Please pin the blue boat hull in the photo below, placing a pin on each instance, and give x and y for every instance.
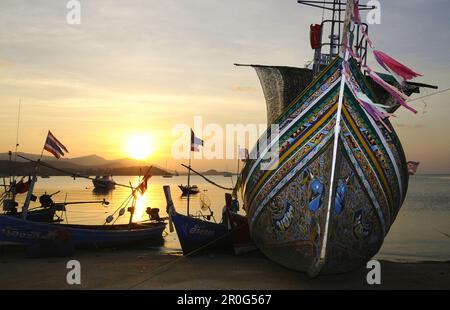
(28, 233)
(199, 235)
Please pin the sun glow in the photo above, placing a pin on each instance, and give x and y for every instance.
(140, 146)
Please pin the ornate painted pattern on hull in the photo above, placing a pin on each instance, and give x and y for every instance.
(286, 206)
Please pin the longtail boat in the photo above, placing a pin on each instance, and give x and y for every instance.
(201, 233)
(43, 239)
(328, 201)
(26, 232)
(197, 233)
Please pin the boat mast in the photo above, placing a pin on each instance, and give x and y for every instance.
(189, 181)
(329, 48)
(26, 204)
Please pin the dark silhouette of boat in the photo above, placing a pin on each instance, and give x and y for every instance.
(188, 190)
(104, 183)
(79, 236)
(198, 233)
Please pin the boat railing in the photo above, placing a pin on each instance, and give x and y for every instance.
(359, 46)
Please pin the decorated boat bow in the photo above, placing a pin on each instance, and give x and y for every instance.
(341, 177)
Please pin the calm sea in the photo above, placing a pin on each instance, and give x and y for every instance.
(420, 232)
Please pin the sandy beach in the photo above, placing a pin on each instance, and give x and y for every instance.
(148, 269)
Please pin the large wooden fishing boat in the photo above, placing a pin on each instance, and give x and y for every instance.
(327, 203)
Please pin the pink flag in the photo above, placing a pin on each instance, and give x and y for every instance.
(392, 65)
(412, 167)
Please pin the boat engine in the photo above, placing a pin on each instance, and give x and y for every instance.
(10, 205)
(46, 200)
(153, 213)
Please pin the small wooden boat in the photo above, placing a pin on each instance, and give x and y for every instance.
(45, 215)
(46, 212)
(188, 190)
(197, 233)
(105, 182)
(238, 226)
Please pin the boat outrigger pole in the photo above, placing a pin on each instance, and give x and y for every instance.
(206, 179)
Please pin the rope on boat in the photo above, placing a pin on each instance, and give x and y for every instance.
(426, 96)
(208, 180)
(163, 267)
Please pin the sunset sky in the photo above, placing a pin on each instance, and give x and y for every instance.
(142, 66)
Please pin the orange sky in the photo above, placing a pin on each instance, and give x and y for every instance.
(140, 67)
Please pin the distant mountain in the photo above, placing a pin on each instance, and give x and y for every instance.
(215, 172)
(89, 160)
(124, 162)
(5, 156)
(87, 165)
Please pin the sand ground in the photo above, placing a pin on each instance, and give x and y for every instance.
(150, 269)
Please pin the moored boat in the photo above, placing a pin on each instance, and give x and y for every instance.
(197, 233)
(61, 239)
(188, 189)
(26, 232)
(327, 201)
(238, 226)
(104, 183)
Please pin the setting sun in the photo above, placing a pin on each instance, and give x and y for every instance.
(140, 146)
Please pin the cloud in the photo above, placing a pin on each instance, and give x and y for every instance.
(245, 89)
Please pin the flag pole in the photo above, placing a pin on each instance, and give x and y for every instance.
(189, 179)
(131, 209)
(238, 151)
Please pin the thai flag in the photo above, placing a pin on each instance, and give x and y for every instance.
(142, 187)
(53, 146)
(195, 142)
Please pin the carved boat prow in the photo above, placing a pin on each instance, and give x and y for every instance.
(341, 175)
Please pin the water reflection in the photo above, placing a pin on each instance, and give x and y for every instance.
(428, 201)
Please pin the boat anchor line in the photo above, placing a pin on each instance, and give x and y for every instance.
(289, 176)
(162, 268)
(286, 128)
(171, 211)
